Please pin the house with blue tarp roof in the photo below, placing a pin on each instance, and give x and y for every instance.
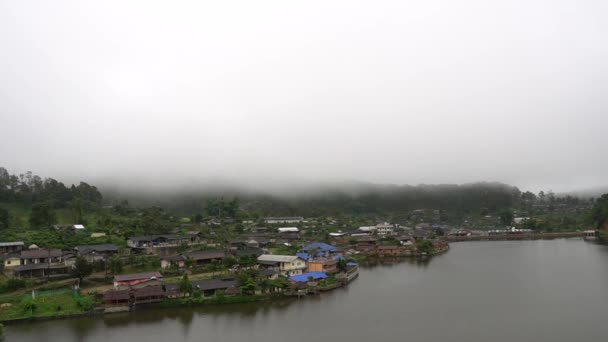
(303, 255)
(304, 277)
(320, 249)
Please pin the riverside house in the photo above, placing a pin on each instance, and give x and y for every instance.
(325, 265)
(199, 258)
(388, 250)
(366, 244)
(287, 265)
(137, 280)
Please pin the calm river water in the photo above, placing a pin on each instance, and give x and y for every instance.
(479, 291)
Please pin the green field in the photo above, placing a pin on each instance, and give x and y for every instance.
(46, 304)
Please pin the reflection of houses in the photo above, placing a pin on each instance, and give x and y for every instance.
(388, 250)
(286, 265)
(137, 280)
(96, 252)
(199, 258)
(169, 240)
(11, 247)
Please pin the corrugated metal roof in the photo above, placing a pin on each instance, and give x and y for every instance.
(277, 258)
(14, 243)
(136, 276)
(302, 278)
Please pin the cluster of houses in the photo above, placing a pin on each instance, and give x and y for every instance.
(36, 262)
(315, 261)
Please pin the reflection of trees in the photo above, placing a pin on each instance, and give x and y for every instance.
(388, 262)
(186, 315)
(82, 327)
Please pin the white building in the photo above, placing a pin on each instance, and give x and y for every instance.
(385, 229)
(289, 230)
(274, 220)
(287, 265)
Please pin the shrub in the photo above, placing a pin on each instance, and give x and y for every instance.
(12, 284)
(85, 303)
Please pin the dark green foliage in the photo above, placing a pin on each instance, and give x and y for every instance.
(250, 286)
(4, 218)
(424, 246)
(85, 303)
(506, 217)
(82, 268)
(342, 265)
(185, 285)
(12, 284)
(599, 213)
(222, 208)
(229, 261)
(42, 216)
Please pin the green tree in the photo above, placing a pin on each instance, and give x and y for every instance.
(530, 224)
(506, 217)
(342, 265)
(42, 216)
(599, 213)
(185, 285)
(250, 286)
(4, 218)
(82, 268)
(424, 246)
(229, 261)
(115, 264)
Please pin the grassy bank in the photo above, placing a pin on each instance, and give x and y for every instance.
(44, 304)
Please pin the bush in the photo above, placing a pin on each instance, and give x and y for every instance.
(85, 303)
(12, 284)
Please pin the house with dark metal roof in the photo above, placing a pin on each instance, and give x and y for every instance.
(96, 252)
(199, 258)
(149, 294)
(210, 287)
(123, 281)
(166, 240)
(12, 247)
(116, 297)
(274, 220)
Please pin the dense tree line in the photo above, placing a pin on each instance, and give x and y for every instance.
(44, 196)
(29, 189)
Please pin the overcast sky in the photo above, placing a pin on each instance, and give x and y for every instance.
(407, 92)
